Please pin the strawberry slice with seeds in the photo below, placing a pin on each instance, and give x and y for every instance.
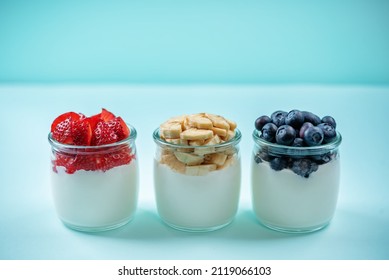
(110, 132)
(82, 132)
(106, 115)
(124, 131)
(72, 128)
(61, 128)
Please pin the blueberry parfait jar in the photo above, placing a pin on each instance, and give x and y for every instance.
(295, 172)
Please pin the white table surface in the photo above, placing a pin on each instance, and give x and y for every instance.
(30, 229)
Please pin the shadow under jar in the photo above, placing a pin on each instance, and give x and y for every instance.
(95, 188)
(295, 189)
(202, 197)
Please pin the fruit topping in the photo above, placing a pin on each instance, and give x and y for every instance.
(94, 161)
(72, 128)
(311, 117)
(330, 120)
(76, 129)
(100, 129)
(261, 121)
(328, 131)
(303, 128)
(195, 136)
(285, 135)
(295, 118)
(278, 117)
(304, 167)
(296, 129)
(313, 136)
(269, 132)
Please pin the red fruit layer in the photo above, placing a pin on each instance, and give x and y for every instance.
(76, 129)
(103, 128)
(102, 162)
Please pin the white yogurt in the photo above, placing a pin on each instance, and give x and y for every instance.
(197, 203)
(96, 200)
(286, 201)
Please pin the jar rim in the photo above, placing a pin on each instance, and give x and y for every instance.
(58, 145)
(291, 150)
(232, 142)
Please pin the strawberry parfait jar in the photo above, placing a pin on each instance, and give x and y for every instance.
(94, 174)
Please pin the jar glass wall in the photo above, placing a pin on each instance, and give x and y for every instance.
(95, 188)
(295, 189)
(197, 196)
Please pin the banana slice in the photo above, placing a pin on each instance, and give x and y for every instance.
(170, 130)
(189, 159)
(218, 121)
(219, 159)
(173, 163)
(229, 136)
(202, 131)
(199, 122)
(196, 134)
(227, 163)
(196, 142)
(208, 150)
(200, 170)
(213, 141)
(173, 141)
(220, 131)
(232, 124)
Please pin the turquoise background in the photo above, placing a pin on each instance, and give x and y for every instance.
(150, 41)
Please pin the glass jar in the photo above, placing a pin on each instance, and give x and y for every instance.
(197, 197)
(95, 188)
(295, 189)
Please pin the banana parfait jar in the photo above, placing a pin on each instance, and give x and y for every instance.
(197, 171)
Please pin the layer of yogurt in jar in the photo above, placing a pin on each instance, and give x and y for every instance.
(295, 170)
(197, 175)
(286, 201)
(96, 199)
(94, 176)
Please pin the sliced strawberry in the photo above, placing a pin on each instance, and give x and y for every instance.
(66, 161)
(110, 132)
(104, 128)
(93, 121)
(124, 132)
(82, 132)
(61, 127)
(102, 162)
(72, 128)
(106, 115)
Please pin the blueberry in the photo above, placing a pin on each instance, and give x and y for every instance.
(313, 136)
(328, 131)
(295, 118)
(304, 167)
(269, 132)
(264, 155)
(298, 142)
(278, 117)
(311, 117)
(261, 121)
(285, 135)
(330, 120)
(278, 163)
(324, 158)
(257, 158)
(303, 128)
